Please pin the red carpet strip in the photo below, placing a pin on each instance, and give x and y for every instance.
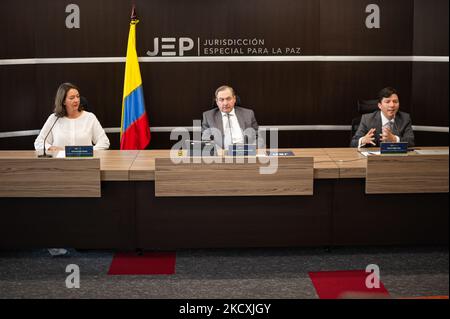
(150, 263)
(345, 284)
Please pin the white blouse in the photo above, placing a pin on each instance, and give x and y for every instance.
(84, 130)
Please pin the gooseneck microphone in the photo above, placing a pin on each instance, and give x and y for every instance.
(45, 139)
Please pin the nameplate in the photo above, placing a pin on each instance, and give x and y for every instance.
(280, 154)
(242, 150)
(79, 151)
(393, 148)
(200, 148)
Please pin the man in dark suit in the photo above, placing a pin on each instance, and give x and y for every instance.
(386, 125)
(229, 124)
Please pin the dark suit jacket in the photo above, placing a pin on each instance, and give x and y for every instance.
(402, 128)
(213, 119)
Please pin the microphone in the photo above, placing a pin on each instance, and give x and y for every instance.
(45, 139)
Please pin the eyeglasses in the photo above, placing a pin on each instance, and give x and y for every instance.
(228, 99)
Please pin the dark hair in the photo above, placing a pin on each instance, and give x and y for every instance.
(60, 97)
(386, 92)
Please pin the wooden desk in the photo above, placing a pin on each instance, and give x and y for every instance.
(143, 168)
(115, 165)
(22, 174)
(128, 215)
(350, 162)
(238, 177)
(324, 166)
(412, 173)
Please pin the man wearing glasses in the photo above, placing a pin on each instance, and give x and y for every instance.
(229, 124)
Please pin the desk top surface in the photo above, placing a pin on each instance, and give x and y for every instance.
(116, 165)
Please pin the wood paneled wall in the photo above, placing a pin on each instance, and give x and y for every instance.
(281, 93)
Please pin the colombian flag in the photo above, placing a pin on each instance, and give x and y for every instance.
(134, 129)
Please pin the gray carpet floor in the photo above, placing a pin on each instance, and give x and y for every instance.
(224, 273)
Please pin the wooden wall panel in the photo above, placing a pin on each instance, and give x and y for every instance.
(431, 27)
(100, 83)
(430, 80)
(17, 29)
(343, 83)
(430, 94)
(103, 29)
(18, 98)
(282, 93)
(343, 29)
(276, 22)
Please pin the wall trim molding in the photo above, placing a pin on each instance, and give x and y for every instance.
(304, 58)
(168, 129)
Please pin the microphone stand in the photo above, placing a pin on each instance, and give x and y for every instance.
(45, 155)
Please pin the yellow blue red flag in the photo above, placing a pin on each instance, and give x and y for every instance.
(134, 129)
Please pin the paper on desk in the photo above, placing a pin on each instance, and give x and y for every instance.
(60, 154)
(370, 153)
(432, 152)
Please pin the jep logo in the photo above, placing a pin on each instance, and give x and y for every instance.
(171, 46)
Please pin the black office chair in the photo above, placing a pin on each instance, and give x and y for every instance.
(84, 103)
(364, 107)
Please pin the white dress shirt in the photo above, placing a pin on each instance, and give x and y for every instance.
(232, 130)
(84, 130)
(384, 121)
